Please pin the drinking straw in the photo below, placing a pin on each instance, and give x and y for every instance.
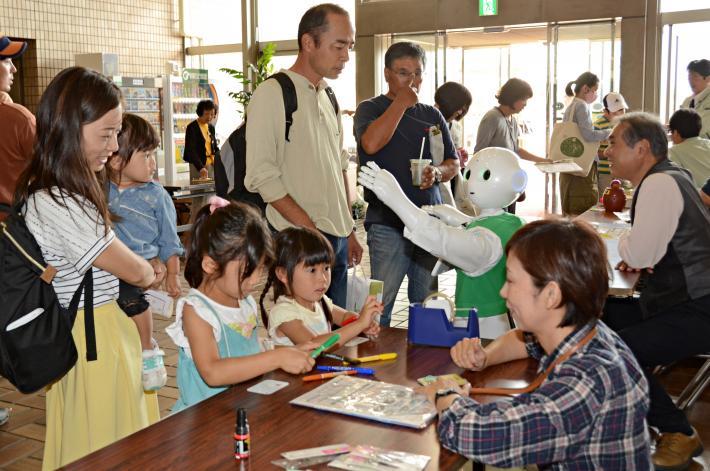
(421, 151)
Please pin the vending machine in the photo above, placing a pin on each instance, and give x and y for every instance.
(142, 96)
(181, 95)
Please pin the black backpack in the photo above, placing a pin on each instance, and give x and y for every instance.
(36, 344)
(234, 153)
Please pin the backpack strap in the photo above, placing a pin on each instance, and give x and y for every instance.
(288, 90)
(333, 101)
(89, 330)
(87, 286)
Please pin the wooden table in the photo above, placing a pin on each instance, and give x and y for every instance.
(621, 283)
(200, 437)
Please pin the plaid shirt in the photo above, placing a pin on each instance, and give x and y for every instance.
(588, 414)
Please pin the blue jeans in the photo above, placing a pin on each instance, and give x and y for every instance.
(338, 290)
(391, 257)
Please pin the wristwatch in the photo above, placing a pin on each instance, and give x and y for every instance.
(437, 175)
(443, 393)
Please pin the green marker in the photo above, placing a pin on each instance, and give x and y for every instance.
(327, 344)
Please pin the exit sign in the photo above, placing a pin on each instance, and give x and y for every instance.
(487, 7)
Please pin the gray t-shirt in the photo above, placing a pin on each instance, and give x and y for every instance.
(497, 131)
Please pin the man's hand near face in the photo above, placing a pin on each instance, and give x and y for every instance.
(406, 96)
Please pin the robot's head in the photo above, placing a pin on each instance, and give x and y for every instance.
(494, 178)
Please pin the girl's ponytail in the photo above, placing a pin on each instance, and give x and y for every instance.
(193, 258)
(568, 88)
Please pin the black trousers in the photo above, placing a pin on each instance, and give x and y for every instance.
(674, 334)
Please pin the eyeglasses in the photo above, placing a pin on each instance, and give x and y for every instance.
(404, 75)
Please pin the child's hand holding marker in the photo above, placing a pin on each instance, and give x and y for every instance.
(292, 360)
(327, 344)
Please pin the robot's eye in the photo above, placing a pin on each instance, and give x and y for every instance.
(466, 174)
(486, 174)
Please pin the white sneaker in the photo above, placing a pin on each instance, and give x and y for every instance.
(154, 374)
(4, 415)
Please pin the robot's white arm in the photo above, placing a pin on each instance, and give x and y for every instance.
(447, 213)
(474, 251)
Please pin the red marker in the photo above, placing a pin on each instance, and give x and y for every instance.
(349, 320)
(328, 375)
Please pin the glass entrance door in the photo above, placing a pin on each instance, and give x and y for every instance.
(574, 49)
(680, 45)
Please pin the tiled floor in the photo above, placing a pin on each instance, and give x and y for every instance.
(22, 438)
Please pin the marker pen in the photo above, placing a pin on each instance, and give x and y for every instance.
(344, 359)
(360, 371)
(381, 356)
(328, 375)
(327, 344)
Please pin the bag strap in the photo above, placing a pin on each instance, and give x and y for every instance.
(572, 108)
(288, 90)
(542, 376)
(46, 273)
(87, 286)
(355, 268)
(333, 101)
(89, 327)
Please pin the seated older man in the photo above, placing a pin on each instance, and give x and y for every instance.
(670, 242)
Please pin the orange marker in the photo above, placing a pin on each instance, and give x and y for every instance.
(328, 375)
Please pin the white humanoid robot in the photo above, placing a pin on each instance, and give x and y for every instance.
(474, 245)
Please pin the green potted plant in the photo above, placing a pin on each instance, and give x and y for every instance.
(261, 70)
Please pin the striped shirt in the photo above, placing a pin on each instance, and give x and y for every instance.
(590, 413)
(601, 123)
(71, 241)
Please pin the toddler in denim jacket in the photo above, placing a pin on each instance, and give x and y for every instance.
(146, 223)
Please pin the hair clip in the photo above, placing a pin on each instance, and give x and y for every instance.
(217, 202)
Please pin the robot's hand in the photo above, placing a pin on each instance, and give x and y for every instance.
(387, 189)
(380, 181)
(448, 214)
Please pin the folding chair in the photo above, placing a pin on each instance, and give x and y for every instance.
(696, 386)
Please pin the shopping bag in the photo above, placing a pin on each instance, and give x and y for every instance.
(567, 144)
(359, 288)
(432, 322)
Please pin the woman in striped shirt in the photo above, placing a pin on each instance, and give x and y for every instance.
(97, 402)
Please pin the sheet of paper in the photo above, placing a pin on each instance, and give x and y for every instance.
(160, 303)
(369, 399)
(560, 166)
(268, 386)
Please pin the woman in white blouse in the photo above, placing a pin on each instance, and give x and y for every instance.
(97, 402)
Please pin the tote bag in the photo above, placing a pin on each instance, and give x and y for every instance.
(567, 144)
(359, 288)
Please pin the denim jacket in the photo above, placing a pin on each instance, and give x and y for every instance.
(148, 224)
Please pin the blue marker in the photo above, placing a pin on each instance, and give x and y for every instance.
(361, 371)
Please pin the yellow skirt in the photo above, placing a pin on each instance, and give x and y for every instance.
(97, 403)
